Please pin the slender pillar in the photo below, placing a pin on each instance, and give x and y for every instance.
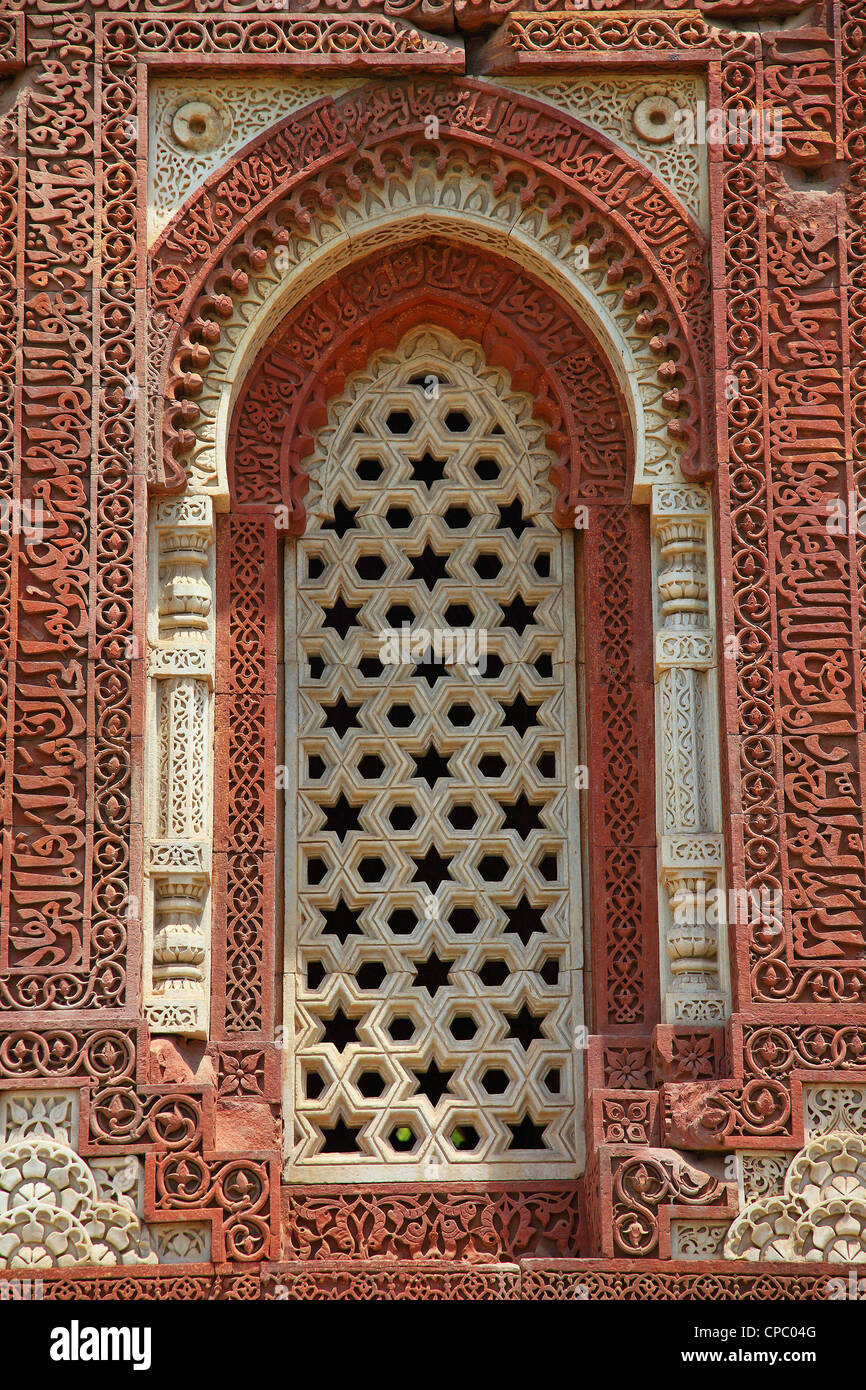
(178, 803)
(691, 845)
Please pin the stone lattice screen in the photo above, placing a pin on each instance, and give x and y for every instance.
(148, 1116)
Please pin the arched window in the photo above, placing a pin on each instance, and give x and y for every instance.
(407, 944)
(430, 689)
(584, 416)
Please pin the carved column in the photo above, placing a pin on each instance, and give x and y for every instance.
(691, 846)
(178, 807)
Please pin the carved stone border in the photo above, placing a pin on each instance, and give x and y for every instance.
(56, 41)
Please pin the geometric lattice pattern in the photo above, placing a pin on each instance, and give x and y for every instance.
(438, 949)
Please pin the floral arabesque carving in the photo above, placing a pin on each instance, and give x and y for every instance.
(51, 1212)
(821, 1214)
(59, 1209)
(644, 1184)
(476, 1223)
(197, 124)
(768, 1062)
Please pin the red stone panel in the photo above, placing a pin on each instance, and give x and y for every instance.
(777, 329)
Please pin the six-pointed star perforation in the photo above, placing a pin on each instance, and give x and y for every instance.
(431, 868)
(433, 918)
(429, 567)
(431, 765)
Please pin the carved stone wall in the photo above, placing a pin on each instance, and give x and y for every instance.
(719, 284)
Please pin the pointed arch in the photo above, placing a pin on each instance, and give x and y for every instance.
(321, 243)
(297, 196)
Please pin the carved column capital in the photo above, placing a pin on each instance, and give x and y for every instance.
(184, 531)
(179, 998)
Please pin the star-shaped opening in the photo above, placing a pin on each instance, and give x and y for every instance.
(343, 519)
(432, 974)
(340, 1031)
(524, 920)
(431, 671)
(511, 518)
(341, 716)
(520, 715)
(431, 766)
(341, 616)
(340, 1138)
(526, 1135)
(429, 566)
(342, 817)
(525, 1027)
(521, 815)
(427, 469)
(433, 1083)
(341, 922)
(518, 614)
(432, 869)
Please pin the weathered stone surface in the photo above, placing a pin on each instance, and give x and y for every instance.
(226, 236)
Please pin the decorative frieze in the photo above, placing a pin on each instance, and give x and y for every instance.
(169, 661)
(761, 1174)
(182, 1242)
(30, 1114)
(828, 1109)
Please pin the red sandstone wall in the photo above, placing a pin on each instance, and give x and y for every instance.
(786, 294)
